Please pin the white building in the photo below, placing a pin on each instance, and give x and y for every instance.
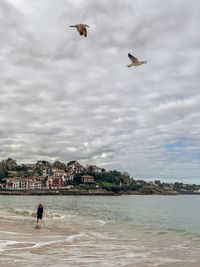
(68, 177)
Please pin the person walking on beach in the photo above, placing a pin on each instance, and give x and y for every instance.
(39, 213)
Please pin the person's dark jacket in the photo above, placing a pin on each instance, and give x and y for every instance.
(40, 211)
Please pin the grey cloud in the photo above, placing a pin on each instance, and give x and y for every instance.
(66, 97)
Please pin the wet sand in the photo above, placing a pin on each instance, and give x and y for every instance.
(24, 245)
(74, 240)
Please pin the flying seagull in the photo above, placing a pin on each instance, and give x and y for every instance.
(135, 61)
(81, 28)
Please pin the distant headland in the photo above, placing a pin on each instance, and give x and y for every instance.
(72, 178)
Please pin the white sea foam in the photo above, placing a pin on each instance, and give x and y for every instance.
(178, 246)
(31, 213)
(14, 233)
(101, 222)
(43, 244)
(60, 216)
(94, 235)
(89, 239)
(164, 260)
(59, 241)
(22, 212)
(5, 243)
(9, 233)
(57, 217)
(75, 237)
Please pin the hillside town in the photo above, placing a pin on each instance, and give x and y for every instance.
(74, 177)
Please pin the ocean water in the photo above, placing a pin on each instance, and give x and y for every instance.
(139, 231)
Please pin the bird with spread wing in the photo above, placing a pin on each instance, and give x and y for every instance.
(81, 28)
(135, 61)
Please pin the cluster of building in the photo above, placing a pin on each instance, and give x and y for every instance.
(53, 182)
(49, 178)
(43, 175)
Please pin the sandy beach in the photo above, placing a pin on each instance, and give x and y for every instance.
(94, 232)
(24, 245)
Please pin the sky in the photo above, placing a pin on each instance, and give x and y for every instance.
(66, 97)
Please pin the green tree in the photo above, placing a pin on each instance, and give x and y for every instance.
(39, 171)
(11, 164)
(71, 162)
(3, 170)
(77, 178)
(59, 165)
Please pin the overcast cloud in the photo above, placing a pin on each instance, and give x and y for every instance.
(65, 97)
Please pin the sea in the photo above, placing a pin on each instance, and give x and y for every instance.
(98, 231)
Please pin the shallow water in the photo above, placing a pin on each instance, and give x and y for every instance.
(99, 231)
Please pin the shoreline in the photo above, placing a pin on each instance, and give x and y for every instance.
(94, 231)
(54, 192)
